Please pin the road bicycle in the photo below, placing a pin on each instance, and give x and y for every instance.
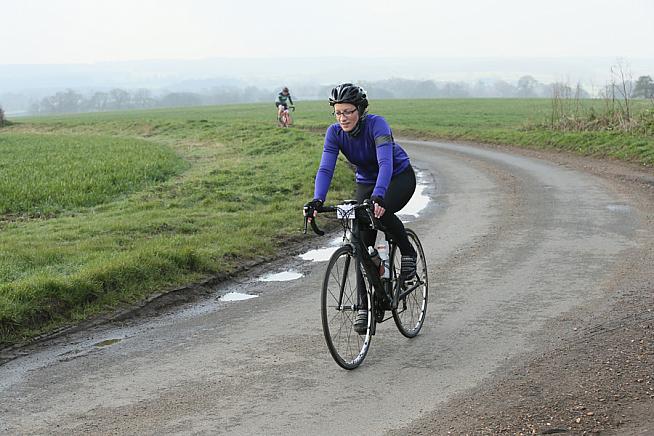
(405, 299)
(285, 119)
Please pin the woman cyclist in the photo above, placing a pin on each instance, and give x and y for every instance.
(383, 174)
(282, 102)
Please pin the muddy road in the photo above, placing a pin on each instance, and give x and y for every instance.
(521, 252)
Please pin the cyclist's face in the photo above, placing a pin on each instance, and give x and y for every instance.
(346, 115)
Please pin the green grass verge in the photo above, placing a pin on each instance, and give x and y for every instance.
(513, 122)
(239, 195)
(104, 209)
(46, 174)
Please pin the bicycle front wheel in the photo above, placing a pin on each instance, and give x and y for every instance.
(339, 307)
(410, 313)
(286, 119)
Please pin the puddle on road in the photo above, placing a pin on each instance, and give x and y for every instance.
(622, 208)
(106, 343)
(319, 255)
(236, 296)
(419, 201)
(323, 254)
(283, 276)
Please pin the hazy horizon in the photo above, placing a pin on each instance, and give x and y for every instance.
(55, 45)
(23, 85)
(265, 71)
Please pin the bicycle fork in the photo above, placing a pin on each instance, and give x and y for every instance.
(346, 269)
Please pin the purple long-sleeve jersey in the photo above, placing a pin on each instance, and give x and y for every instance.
(373, 152)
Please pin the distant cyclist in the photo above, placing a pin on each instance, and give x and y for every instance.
(383, 174)
(283, 98)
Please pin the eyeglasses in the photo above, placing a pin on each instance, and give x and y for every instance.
(345, 113)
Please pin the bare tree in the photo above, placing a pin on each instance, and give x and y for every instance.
(3, 121)
(68, 101)
(99, 101)
(142, 98)
(644, 87)
(527, 86)
(505, 89)
(561, 114)
(568, 112)
(621, 84)
(119, 98)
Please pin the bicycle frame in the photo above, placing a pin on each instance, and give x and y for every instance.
(285, 118)
(390, 289)
(360, 252)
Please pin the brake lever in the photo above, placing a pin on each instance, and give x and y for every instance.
(315, 228)
(369, 211)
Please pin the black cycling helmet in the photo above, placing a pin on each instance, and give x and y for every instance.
(349, 93)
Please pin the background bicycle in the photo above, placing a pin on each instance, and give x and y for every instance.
(285, 118)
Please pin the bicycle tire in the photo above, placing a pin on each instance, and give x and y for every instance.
(338, 313)
(411, 310)
(285, 119)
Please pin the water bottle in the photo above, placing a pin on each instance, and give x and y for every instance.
(377, 260)
(382, 250)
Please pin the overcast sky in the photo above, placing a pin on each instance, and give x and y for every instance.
(71, 31)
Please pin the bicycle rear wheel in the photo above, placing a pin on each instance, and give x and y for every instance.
(339, 310)
(410, 313)
(286, 119)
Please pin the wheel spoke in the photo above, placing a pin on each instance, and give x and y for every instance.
(339, 309)
(410, 314)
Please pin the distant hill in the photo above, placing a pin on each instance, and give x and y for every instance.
(273, 71)
(21, 84)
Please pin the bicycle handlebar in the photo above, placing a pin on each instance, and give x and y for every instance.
(314, 226)
(323, 209)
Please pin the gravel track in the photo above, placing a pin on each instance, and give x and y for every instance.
(540, 321)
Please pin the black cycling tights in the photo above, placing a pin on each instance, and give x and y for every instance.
(398, 194)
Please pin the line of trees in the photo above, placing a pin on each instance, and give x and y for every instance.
(526, 87)
(71, 101)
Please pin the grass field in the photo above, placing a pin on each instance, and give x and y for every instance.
(102, 209)
(48, 174)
